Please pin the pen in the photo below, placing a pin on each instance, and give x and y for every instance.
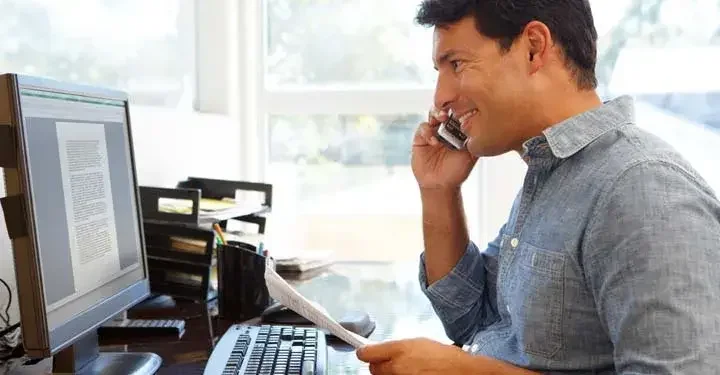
(260, 248)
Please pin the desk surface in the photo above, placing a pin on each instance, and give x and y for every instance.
(389, 292)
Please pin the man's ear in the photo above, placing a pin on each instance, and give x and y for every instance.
(538, 40)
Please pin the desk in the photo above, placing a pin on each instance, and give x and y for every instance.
(389, 292)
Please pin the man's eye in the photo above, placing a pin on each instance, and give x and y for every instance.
(455, 64)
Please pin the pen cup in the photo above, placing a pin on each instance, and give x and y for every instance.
(242, 293)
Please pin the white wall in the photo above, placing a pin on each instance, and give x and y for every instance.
(169, 146)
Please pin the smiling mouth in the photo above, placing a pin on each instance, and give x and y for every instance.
(465, 117)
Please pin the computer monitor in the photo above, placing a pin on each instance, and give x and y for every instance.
(73, 215)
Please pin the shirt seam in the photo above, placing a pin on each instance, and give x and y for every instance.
(441, 297)
(466, 278)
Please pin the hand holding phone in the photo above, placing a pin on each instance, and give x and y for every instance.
(439, 156)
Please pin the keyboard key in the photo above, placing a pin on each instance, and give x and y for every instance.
(308, 368)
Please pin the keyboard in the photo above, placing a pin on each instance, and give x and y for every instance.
(269, 349)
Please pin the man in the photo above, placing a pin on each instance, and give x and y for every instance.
(609, 262)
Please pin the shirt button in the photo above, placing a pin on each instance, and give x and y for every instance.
(514, 242)
(474, 348)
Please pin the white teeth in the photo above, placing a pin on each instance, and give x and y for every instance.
(467, 115)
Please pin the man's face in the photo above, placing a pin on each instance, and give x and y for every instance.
(485, 88)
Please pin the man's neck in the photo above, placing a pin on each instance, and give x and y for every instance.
(559, 108)
(567, 105)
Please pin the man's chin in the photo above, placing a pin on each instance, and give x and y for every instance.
(482, 149)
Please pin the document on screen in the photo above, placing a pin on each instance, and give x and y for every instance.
(88, 201)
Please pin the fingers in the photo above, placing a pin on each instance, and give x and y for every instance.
(379, 352)
(381, 368)
(436, 116)
(425, 135)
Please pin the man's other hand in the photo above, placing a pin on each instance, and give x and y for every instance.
(415, 356)
(424, 356)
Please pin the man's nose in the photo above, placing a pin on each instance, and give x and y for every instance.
(445, 92)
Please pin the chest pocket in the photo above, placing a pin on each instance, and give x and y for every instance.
(536, 299)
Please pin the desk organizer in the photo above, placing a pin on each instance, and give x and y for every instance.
(181, 245)
(194, 190)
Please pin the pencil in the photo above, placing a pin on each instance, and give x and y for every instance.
(220, 233)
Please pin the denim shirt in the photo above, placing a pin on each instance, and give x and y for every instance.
(609, 262)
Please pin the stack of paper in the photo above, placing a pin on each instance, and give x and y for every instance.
(210, 208)
(282, 292)
(211, 205)
(213, 208)
(301, 261)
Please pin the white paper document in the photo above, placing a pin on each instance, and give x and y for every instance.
(282, 292)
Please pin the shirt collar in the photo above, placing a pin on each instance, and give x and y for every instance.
(575, 133)
(568, 137)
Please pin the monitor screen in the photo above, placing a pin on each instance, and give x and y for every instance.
(83, 193)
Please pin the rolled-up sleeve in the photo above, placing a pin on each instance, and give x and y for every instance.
(465, 298)
(652, 258)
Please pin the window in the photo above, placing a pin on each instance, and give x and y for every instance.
(346, 42)
(344, 85)
(339, 140)
(145, 48)
(663, 52)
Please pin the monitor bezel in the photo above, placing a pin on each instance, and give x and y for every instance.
(38, 340)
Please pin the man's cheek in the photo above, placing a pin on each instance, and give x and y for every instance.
(472, 83)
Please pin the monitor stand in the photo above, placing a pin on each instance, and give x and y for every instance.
(84, 358)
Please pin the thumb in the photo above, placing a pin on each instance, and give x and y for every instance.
(379, 352)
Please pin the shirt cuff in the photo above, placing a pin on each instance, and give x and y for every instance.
(460, 290)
